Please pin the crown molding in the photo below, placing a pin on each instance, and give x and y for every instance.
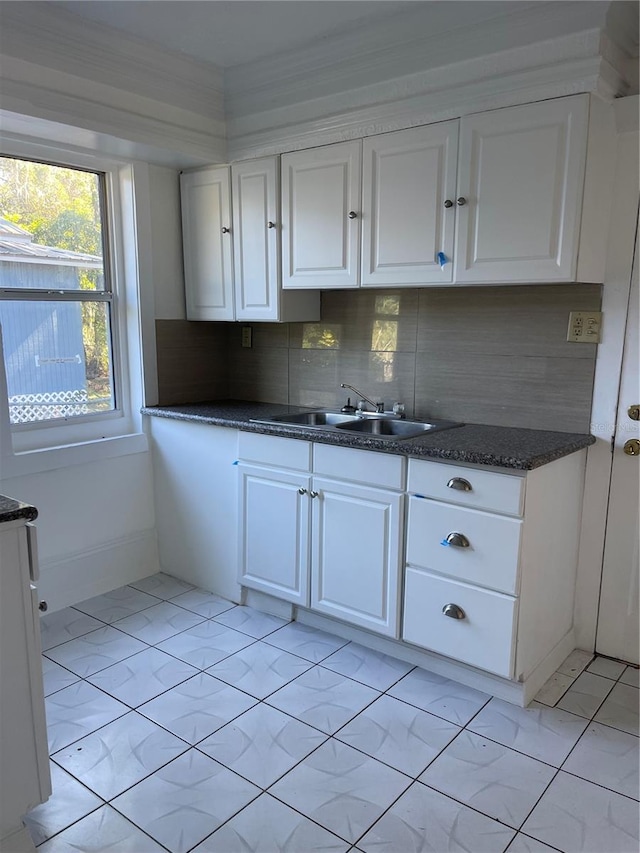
(563, 66)
(400, 47)
(60, 40)
(32, 91)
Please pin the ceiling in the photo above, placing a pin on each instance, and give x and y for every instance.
(233, 32)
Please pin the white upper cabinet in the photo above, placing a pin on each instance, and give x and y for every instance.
(256, 247)
(256, 223)
(231, 238)
(408, 177)
(520, 183)
(321, 217)
(206, 235)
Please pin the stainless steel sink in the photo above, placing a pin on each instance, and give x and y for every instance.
(395, 429)
(322, 419)
(372, 424)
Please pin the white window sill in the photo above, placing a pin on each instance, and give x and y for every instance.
(50, 458)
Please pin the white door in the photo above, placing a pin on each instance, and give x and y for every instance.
(274, 532)
(355, 559)
(520, 181)
(256, 245)
(618, 616)
(321, 217)
(408, 177)
(206, 238)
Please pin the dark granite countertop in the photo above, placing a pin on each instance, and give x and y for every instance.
(479, 444)
(11, 510)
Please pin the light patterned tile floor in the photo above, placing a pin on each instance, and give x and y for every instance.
(201, 726)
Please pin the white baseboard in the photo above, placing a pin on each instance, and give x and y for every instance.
(267, 603)
(543, 672)
(18, 841)
(503, 688)
(78, 576)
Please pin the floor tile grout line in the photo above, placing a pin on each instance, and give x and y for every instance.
(599, 785)
(73, 823)
(334, 735)
(551, 846)
(113, 663)
(475, 808)
(602, 701)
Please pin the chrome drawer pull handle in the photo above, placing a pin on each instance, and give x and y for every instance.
(454, 611)
(459, 540)
(460, 484)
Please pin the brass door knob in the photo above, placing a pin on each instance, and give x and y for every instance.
(634, 412)
(632, 447)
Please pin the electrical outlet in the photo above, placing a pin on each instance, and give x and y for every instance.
(584, 327)
(246, 336)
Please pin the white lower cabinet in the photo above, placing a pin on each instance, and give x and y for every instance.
(491, 561)
(491, 555)
(355, 559)
(484, 636)
(315, 539)
(274, 545)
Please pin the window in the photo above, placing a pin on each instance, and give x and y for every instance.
(56, 295)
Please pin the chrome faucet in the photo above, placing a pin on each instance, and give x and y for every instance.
(379, 407)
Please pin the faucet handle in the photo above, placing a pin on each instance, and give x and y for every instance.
(398, 409)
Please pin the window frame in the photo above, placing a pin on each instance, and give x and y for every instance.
(22, 448)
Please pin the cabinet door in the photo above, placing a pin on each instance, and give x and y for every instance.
(256, 247)
(355, 561)
(274, 532)
(208, 272)
(321, 217)
(520, 175)
(407, 176)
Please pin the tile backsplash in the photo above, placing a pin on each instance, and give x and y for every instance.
(494, 355)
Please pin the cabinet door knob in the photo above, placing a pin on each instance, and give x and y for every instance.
(454, 611)
(461, 201)
(352, 214)
(314, 494)
(225, 230)
(43, 606)
(632, 447)
(448, 203)
(460, 484)
(458, 540)
(302, 491)
(271, 224)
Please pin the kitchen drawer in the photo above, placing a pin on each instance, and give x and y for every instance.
(489, 489)
(360, 466)
(485, 637)
(490, 560)
(273, 450)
